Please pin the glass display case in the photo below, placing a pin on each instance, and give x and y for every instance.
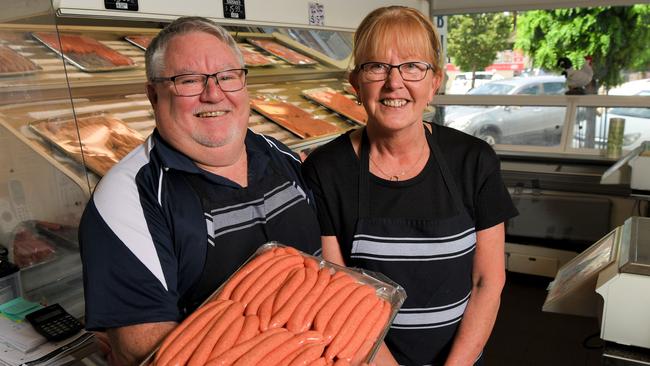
(73, 104)
(42, 192)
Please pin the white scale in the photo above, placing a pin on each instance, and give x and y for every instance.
(611, 281)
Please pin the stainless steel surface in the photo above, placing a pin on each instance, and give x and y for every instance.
(635, 246)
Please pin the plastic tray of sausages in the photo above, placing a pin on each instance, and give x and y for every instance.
(285, 307)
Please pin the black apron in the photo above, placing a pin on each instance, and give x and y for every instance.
(273, 208)
(431, 258)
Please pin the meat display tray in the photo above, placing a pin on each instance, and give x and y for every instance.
(12, 63)
(253, 58)
(338, 103)
(85, 52)
(105, 140)
(141, 42)
(292, 118)
(285, 53)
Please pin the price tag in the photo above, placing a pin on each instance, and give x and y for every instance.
(316, 14)
(121, 4)
(234, 9)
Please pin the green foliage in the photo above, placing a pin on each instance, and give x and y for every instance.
(616, 37)
(475, 39)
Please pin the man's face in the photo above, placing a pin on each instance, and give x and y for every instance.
(212, 119)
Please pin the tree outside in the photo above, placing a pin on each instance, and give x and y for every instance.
(616, 38)
(475, 39)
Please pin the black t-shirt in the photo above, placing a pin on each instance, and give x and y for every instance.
(332, 172)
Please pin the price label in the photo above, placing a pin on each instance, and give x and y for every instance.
(316, 14)
(131, 5)
(234, 9)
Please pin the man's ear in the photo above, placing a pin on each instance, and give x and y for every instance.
(152, 95)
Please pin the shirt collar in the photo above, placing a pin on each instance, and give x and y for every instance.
(258, 158)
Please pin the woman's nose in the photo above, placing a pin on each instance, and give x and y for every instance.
(394, 78)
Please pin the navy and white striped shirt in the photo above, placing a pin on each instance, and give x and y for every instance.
(143, 234)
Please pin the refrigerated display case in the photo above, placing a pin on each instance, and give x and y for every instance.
(71, 110)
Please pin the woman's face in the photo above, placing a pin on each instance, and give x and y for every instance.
(394, 104)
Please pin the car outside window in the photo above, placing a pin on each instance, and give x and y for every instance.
(554, 88)
(529, 90)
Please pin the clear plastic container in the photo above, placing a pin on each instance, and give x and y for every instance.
(348, 316)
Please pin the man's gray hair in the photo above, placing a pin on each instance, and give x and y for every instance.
(154, 56)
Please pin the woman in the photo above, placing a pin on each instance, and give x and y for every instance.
(423, 204)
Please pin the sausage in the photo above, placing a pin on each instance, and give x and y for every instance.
(252, 277)
(376, 329)
(288, 288)
(308, 355)
(325, 314)
(242, 273)
(332, 288)
(270, 287)
(360, 333)
(266, 311)
(381, 321)
(347, 330)
(318, 362)
(339, 317)
(187, 347)
(228, 339)
(181, 327)
(282, 264)
(202, 353)
(262, 349)
(342, 362)
(292, 250)
(280, 318)
(291, 345)
(362, 352)
(194, 329)
(250, 329)
(312, 263)
(287, 360)
(231, 355)
(295, 322)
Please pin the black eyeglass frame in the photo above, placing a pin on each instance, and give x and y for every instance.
(205, 84)
(391, 67)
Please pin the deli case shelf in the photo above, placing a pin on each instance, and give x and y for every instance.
(52, 101)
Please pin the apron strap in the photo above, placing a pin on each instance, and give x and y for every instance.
(445, 172)
(364, 174)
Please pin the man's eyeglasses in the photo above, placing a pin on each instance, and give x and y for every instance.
(188, 85)
(410, 71)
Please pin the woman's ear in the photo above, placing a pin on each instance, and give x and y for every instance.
(353, 79)
(435, 84)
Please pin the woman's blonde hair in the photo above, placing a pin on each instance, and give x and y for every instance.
(396, 26)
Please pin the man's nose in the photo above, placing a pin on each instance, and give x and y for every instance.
(212, 89)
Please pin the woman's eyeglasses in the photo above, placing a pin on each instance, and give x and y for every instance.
(410, 71)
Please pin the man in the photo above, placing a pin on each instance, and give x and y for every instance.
(148, 260)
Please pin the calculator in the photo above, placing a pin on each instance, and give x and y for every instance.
(54, 323)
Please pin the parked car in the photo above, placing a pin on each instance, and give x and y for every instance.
(462, 82)
(637, 119)
(636, 87)
(533, 125)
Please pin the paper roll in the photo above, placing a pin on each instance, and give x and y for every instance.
(615, 137)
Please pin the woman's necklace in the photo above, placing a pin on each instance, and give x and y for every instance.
(396, 177)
